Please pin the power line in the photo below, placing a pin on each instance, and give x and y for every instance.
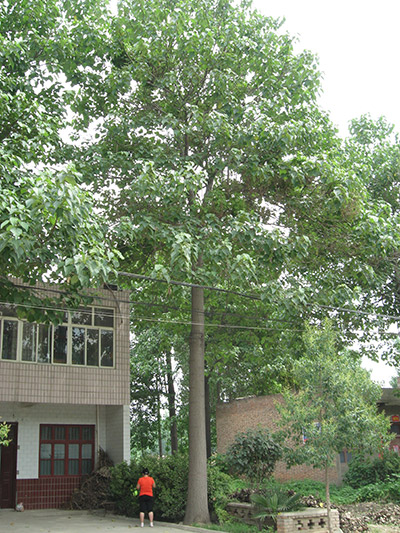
(157, 320)
(190, 285)
(208, 287)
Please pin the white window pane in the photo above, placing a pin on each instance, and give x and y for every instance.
(107, 348)
(86, 451)
(44, 343)
(45, 451)
(10, 336)
(83, 316)
(78, 346)
(92, 347)
(59, 451)
(29, 342)
(73, 451)
(60, 344)
(104, 317)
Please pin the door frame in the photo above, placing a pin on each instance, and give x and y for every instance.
(11, 485)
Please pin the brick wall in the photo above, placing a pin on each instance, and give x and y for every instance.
(46, 493)
(246, 413)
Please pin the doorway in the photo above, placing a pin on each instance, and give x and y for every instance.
(8, 469)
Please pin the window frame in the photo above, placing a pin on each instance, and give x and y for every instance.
(66, 441)
(103, 332)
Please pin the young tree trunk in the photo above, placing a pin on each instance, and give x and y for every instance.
(171, 404)
(328, 498)
(197, 501)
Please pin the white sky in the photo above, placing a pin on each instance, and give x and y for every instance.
(358, 45)
(357, 42)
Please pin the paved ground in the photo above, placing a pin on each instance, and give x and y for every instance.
(58, 521)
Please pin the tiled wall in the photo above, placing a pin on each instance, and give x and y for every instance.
(46, 383)
(45, 493)
(118, 433)
(29, 417)
(240, 415)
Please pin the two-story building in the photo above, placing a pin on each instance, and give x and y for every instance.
(64, 390)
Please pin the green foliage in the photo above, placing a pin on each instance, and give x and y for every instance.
(335, 404)
(254, 453)
(273, 501)
(4, 430)
(220, 486)
(48, 224)
(370, 470)
(170, 474)
(171, 477)
(383, 491)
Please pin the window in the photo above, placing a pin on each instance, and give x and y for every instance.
(345, 456)
(86, 338)
(66, 450)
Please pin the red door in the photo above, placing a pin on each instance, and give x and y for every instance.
(8, 470)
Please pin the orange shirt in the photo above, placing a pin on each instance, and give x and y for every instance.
(146, 484)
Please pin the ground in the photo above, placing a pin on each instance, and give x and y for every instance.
(375, 517)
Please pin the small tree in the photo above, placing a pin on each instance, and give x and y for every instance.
(254, 453)
(335, 407)
(4, 430)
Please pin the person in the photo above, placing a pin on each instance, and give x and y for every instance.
(146, 485)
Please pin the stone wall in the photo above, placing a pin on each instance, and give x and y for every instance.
(315, 520)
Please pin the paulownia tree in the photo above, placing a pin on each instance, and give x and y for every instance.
(208, 142)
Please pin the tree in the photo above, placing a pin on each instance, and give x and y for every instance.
(210, 149)
(48, 225)
(4, 430)
(334, 408)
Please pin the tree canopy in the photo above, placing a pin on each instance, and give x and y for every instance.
(334, 407)
(48, 223)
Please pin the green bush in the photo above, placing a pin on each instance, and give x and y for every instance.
(367, 471)
(254, 454)
(170, 474)
(220, 486)
(384, 491)
(342, 495)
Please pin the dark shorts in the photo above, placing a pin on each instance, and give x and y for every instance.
(145, 503)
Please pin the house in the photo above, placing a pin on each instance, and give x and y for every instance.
(245, 413)
(64, 390)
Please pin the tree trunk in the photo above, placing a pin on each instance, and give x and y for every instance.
(208, 415)
(160, 450)
(171, 404)
(197, 500)
(328, 498)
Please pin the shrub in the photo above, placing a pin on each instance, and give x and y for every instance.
(171, 476)
(367, 471)
(220, 486)
(275, 500)
(388, 491)
(254, 454)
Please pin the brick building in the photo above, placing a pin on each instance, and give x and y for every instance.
(65, 392)
(245, 413)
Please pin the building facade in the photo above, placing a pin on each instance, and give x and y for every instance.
(64, 390)
(260, 411)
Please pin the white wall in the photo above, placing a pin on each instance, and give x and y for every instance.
(29, 418)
